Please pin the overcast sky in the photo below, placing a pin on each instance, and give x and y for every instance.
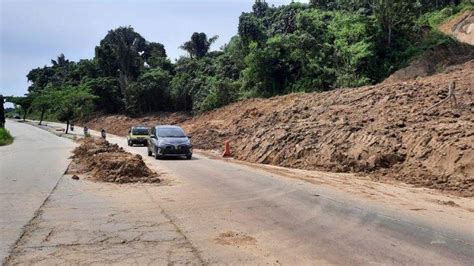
(33, 32)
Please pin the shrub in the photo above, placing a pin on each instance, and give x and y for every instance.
(5, 137)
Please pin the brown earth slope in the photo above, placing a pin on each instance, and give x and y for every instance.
(461, 27)
(379, 129)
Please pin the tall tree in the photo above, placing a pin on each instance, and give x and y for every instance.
(71, 103)
(24, 102)
(155, 56)
(393, 15)
(150, 93)
(260, 8)
(251, 29)
(199, 45)
(118, 55)
(42, 102)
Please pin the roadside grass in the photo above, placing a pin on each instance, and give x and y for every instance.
(5, 137)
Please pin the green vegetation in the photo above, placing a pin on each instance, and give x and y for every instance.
(319, 46)
(437, 17)
(5, 137)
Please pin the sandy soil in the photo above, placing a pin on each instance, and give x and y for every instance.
(102, 161)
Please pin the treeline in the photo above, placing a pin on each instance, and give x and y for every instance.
(292, 48)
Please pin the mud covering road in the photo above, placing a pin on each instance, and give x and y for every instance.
(244, 214)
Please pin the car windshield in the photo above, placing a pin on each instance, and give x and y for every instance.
(170, 132)
(140, 131)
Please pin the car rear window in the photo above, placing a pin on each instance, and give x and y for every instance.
(170, 132)
(140, 131)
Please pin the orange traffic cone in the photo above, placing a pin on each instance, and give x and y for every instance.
(227, 152)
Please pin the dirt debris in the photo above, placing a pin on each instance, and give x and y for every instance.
(448, 203)
(381, 131)
(231, 238)
(107, 162)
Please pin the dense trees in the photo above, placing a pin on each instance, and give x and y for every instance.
(297, 47)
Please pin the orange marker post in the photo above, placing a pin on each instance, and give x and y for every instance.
(227, 152)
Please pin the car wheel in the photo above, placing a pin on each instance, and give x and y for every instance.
(188, 157)
(130, 143)
(157, 156)
(149, 153)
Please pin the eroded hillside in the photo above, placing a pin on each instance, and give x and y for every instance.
(382, 129)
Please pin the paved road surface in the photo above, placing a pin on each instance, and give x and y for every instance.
(29, 170)
(294, 222)
(230, 213)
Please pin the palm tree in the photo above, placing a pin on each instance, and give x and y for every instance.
(199, 45)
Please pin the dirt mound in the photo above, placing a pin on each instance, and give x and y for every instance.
(382, 130)
(461, 27)
(120, 124)
(109, 163)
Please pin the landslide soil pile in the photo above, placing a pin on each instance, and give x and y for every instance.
(382, 129)
(107, 162)
(461, 27)
(120, 124)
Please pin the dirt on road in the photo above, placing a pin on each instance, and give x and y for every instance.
(383, 130)
(106, 162)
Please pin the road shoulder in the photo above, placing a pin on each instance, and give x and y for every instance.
(91, 222)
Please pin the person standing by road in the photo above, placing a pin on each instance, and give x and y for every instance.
(86, 131)
(103, 134)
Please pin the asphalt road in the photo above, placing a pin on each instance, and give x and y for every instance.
(29, 170)
(295, 222)
(231, 213)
